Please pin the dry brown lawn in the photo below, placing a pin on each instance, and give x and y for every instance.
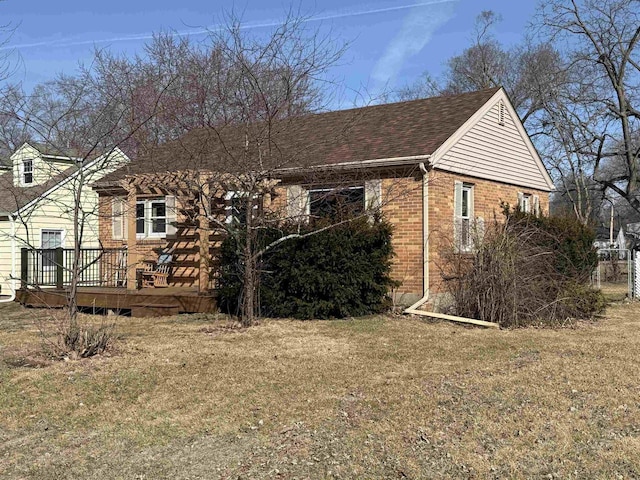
(186, 397)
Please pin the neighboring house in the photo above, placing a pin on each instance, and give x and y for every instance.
(436, 167)
(36, 203)
(623, 240)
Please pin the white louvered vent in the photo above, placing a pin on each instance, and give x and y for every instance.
(501, 113)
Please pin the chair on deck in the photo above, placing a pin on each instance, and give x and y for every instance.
(156, 274)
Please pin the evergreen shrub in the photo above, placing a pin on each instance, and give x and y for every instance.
(342, 271)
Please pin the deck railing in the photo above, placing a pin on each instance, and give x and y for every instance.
(105, 267)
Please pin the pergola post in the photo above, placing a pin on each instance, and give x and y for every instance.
(132, 249)
(203, 232)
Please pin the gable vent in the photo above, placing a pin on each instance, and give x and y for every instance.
(501, 112)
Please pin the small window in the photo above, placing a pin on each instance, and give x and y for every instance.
(27, 172)
(118, 219)
(237, 210)
(236, 207)
(525, 203)
(336, 204)
(151, 217)
(465, 217)
(140, 223)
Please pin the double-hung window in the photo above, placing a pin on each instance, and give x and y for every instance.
(151, 217)
(463, 216)
(525, 203)
(529, 203)
(236, 204)
(49, 241)
(27, 172)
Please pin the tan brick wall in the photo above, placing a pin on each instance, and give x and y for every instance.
(402, 206)
(487, 198)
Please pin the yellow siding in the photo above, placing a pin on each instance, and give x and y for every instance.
(43, 170)
(55, 212)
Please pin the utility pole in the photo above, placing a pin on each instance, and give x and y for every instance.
(611, 228)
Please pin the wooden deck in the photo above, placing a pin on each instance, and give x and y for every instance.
(147, 302)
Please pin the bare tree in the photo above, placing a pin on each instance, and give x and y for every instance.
(266, 82)
(528, 72)
(595, 117)
(79, 119)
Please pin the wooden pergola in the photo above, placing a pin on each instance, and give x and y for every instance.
(185, 185)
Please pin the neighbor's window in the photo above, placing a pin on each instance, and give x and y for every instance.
(151, 217)
(27, 172)
(49, 241)
(336, 204)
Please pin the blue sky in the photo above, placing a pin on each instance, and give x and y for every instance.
(392, 42)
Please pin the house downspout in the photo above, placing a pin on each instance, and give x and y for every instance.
(12, 278)
(414, 309)
(425, 240)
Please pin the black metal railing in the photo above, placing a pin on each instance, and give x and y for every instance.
(104, 267)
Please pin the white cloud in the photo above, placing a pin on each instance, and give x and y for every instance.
(417, 29)
(331, 15)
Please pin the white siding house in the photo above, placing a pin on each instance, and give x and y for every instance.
(37, 199)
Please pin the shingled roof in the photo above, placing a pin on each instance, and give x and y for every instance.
(393, 130)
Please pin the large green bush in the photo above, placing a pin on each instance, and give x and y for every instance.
(571, 242)
(340, 272)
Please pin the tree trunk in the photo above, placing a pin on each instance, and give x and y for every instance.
(248, 310)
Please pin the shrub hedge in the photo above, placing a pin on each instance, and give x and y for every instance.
(339, 272)
(527, 270)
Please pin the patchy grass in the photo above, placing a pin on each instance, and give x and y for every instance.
(197, 397)
(615, 292)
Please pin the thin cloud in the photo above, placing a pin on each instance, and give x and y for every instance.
(416, 31)
(248, 26)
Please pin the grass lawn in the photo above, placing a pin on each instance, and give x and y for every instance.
(381, 397)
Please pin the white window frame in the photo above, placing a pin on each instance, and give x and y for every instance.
(62, 233)
(526, 203)
(149, 218)
(118, 218)
(24, 172)
(467, 190)
(228, 206)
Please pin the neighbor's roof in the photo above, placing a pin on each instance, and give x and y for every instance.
(403, 129)
(13, 198)
(50, 150)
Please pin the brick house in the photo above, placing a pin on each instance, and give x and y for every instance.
(436, 167)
